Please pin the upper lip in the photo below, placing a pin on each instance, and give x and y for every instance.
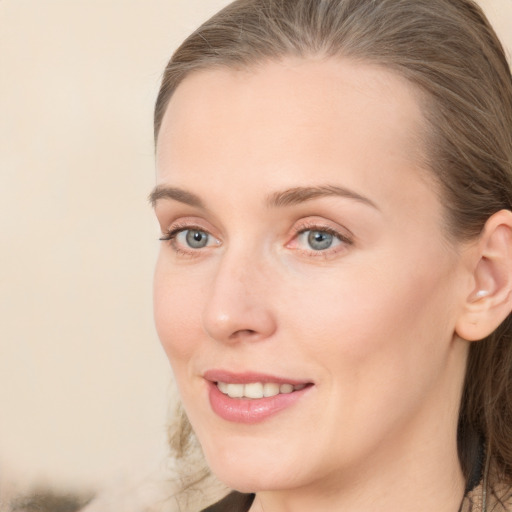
(249, 377)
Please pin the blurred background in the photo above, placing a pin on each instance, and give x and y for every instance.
(84, 385)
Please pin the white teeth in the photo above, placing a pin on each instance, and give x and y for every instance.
(257, 390)
(285, 388)
(235, 390)
(270, 389)
(254, 390)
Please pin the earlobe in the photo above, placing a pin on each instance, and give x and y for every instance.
(490, 300)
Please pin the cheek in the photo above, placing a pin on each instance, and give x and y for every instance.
(374, 312)
(176, 311)
(381, 339)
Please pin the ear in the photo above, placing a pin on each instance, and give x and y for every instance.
(490, 300)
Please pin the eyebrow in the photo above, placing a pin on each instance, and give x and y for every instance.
(299, 195)
(178, 194)
(281, 199)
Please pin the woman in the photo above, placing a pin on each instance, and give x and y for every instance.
(333, 290)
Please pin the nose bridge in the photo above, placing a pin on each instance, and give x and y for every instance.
(238, 300)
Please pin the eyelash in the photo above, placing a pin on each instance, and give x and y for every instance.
(171, 234)
(175, 230)
(329, 252)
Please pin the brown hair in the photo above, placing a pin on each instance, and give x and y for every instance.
(448, 49)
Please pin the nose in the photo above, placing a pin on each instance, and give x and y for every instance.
(238, 305)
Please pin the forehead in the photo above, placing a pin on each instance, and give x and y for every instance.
(312, 94)
(292, 123)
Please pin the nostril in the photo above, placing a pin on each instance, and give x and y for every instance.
(243, 333)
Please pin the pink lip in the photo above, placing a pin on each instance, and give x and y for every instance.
(248, 410)
(248, 377)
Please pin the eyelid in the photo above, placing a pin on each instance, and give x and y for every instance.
(171, 232)
(185, 222)
(319, 224)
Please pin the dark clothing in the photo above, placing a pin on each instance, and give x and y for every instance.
(497, 502)
(233, 502)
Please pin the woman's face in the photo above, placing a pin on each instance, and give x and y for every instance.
(305, 293)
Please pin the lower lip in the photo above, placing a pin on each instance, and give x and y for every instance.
(250, 410)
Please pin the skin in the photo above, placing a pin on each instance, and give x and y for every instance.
(370, 321)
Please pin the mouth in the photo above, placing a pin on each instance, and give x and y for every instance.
(250, 397)
(257, 390)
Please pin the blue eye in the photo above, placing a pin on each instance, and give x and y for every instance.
(319, 240)
(189, 240)
(193, 238)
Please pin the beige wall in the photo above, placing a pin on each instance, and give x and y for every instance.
(83, 381)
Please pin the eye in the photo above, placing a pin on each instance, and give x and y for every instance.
(189, 239)
(313, 239)
(318, 240)
(194, 238)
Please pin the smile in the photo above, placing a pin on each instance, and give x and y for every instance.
(257, 390)
(252, 397)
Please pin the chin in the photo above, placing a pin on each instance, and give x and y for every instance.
(247, 480)
(253, 470)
